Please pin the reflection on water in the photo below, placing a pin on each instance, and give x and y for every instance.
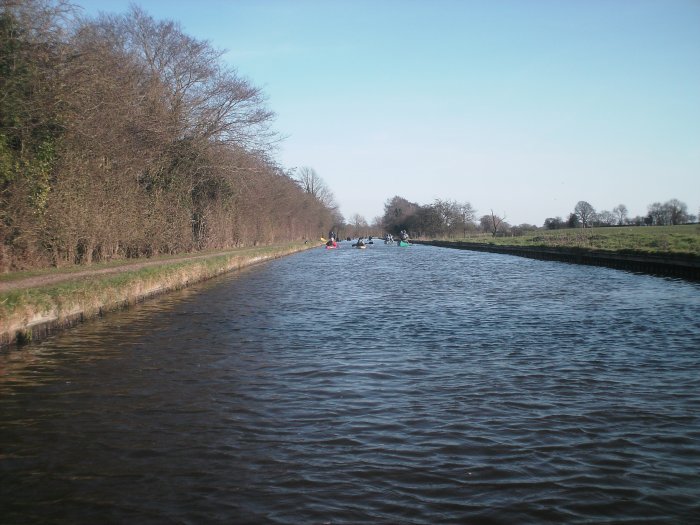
(388, 385)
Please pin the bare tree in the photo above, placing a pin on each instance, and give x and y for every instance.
(312, 183)
(620, 212)
(606, 218)
(449, 215)
(677, 211)
(585, 213)
(658, 214)
(493, 223)
(467, 214)
(205, 99)
(359, 225)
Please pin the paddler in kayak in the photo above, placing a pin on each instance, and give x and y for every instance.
(331, 239)
(359, 244)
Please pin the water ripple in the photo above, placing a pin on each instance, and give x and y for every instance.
(387, 385)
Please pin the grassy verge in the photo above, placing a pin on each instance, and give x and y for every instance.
(53, 306)
(658, 240)
(117, 263)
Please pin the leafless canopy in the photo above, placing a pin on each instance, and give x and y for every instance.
(122, 136)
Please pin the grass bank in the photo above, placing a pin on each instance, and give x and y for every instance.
(33, 308)
(670, 250)
(659, 240)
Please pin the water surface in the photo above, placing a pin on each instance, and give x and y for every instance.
(387, 385)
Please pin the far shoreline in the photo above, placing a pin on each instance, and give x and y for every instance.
(684, 266)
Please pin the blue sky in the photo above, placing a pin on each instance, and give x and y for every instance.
(524, 107)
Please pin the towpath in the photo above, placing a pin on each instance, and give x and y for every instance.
(38, 281)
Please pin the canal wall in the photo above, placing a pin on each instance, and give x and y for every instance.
(674, 265)
(43, 310)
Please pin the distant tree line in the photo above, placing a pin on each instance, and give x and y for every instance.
(445, 219)
(670, 213)
(442, 218)
(452, 219)
(122, 136)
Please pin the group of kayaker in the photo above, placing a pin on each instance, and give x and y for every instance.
(389, 238)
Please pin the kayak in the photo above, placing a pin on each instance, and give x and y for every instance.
(331, 245)
(404, 243)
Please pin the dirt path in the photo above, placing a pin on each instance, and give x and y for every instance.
(55, 278)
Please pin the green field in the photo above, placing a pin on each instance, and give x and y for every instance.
(683, 239)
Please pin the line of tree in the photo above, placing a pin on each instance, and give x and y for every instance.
(442, 218)
(669, 213)
(452, 219)
(122, 136)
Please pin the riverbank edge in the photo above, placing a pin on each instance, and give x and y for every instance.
(673, 265)
(66, 304)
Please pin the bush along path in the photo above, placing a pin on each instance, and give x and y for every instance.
(32, 307)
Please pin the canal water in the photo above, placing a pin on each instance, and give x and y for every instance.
(387, 385)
